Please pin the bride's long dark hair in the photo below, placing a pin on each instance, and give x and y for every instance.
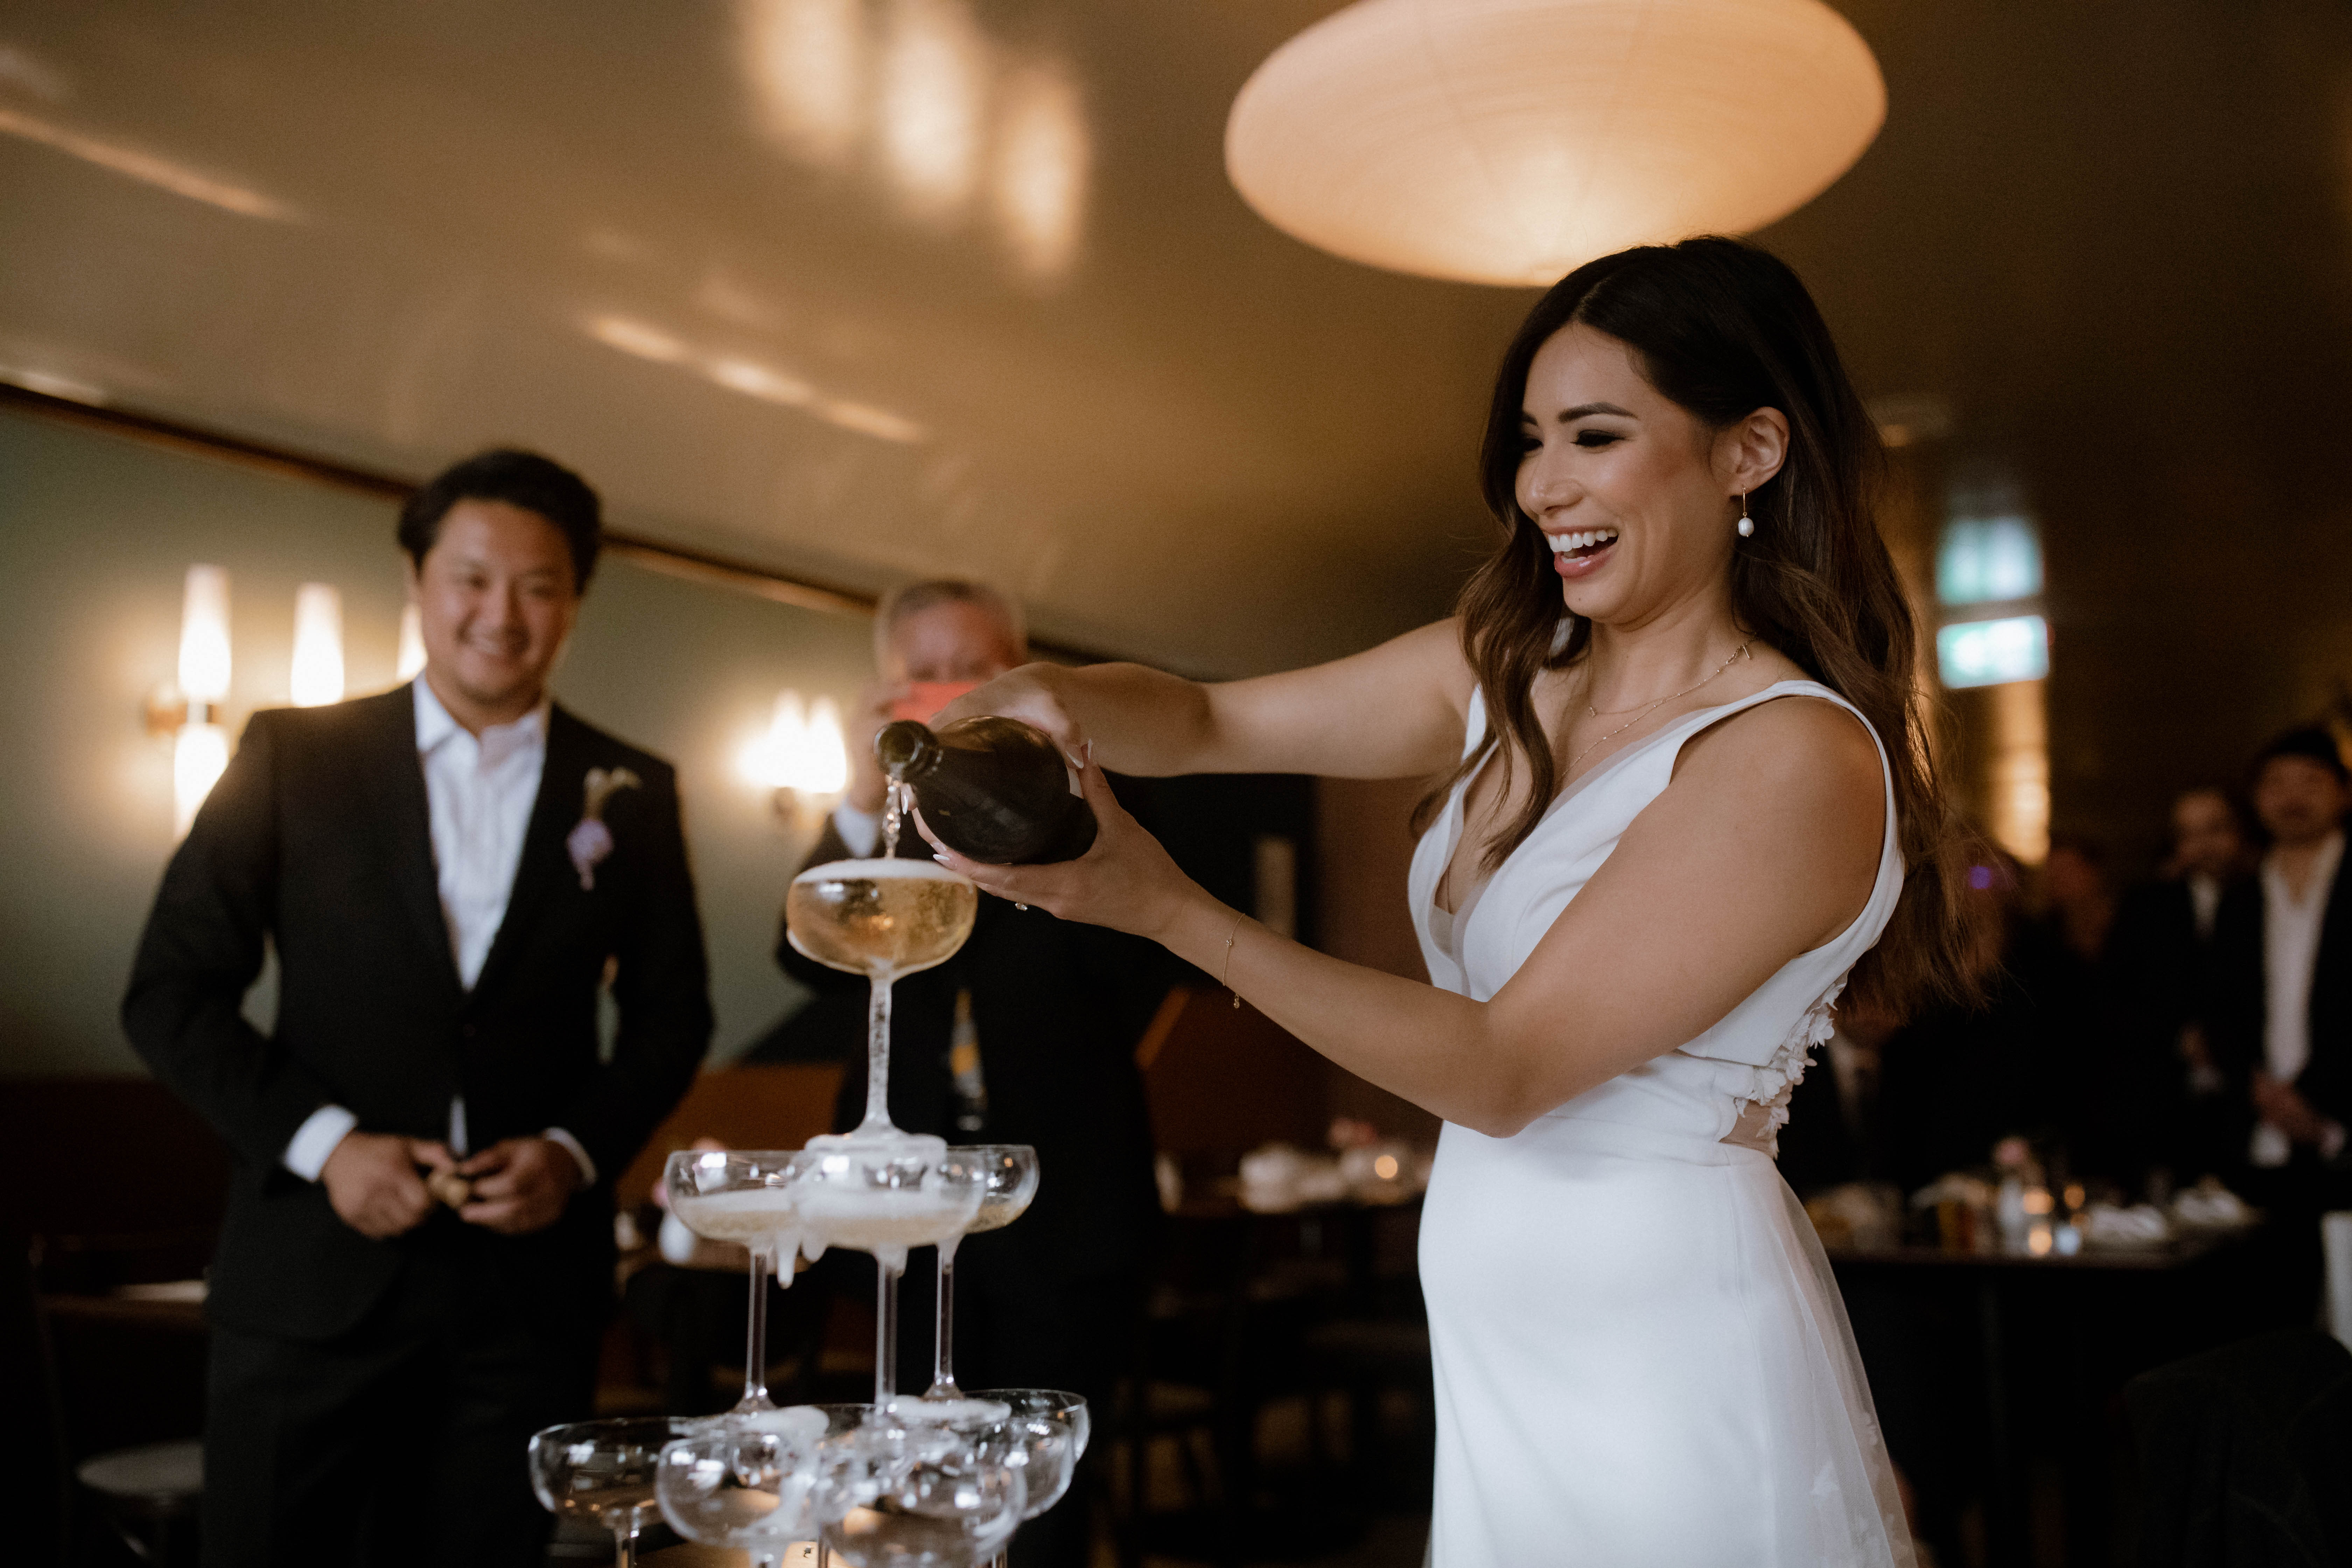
(1724, 329)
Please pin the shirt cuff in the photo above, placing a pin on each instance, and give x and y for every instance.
(860, 830)
(579, 1152)
(306, 1152)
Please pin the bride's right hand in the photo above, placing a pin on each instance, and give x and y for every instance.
(1031, 694)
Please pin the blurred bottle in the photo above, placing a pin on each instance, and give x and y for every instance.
(992, 788)
(963, 1067)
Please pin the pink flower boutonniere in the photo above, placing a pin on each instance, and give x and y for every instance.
(590, 840)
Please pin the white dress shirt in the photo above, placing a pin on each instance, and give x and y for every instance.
(860, 831)
(479, 793)
(2290, 951)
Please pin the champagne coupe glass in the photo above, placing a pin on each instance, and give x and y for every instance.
(603, 1470)
(1045, 1436)
(745, 1196)
(884, 1198)
(922, 1494)
(881, 919)
(752, 1482)
(1011, 1174)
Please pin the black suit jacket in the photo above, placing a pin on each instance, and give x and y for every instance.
(1059, 1007)
(2240, 987)
(318, 840)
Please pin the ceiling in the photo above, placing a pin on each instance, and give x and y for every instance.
(2110, 238)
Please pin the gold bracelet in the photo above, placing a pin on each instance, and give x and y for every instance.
(1228, 980)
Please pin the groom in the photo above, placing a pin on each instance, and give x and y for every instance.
(449, 874)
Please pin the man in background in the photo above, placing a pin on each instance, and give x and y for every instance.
(2280, 1027)
(1026, 1036)
(450, 873)
(2173, 1115)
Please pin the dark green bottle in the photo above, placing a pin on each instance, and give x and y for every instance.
(992, 788)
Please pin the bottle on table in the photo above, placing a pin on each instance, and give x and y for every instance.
(992, 788)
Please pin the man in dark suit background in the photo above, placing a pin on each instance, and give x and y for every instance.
(1055, 1010)
(2282, 1012)
(450, 873)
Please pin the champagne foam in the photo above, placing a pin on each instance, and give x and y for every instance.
(881, 871)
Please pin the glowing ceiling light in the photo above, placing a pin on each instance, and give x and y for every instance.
(318, 677)
(806, 59)
(148, 169)
(934, 95)
(1043, 154)
(635, 337)
(1508, 140)
(803, 748)
(758, 381)
(1993, 653)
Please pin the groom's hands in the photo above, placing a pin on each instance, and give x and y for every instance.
(520, 1185)
(373, 1181)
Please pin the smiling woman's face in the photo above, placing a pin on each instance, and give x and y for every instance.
(1627, 485)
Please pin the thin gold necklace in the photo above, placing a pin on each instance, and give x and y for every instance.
(1649, 708)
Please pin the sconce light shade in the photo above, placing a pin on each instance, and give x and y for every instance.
(801, 750)
(317, 678)
(411, 659)
(1510, 140)
(204, 636)
(199, 757)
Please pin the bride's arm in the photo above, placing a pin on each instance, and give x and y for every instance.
(1765, 844)
(1392, 711)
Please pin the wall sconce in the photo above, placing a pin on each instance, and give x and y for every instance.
(411, 659)
(318, 674)
(802, 756)
(191, 713)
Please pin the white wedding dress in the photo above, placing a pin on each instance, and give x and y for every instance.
(1642, 1357)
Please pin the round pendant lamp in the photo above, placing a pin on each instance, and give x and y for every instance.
(1509, 141)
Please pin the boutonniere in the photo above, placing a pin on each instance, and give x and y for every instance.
(590, 840)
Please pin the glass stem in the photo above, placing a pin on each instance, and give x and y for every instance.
(877, 1059)
(886, 1333)
(755, 1330)
(943, 1382)
(624, 1546)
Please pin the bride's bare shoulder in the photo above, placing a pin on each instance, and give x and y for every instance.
(1807, 754)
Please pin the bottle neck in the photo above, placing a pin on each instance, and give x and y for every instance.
(907, 751)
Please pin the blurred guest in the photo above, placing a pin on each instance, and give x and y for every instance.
(449, 874)
(2057, 958)
(1955, 1081)
(1026, 1036)
(2171, 1114)
(2281, 1022)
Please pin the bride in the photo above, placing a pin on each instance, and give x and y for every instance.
(1683, 794)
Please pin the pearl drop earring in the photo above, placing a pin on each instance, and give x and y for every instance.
(1746, 523)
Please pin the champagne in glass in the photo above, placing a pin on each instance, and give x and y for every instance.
(880, 918)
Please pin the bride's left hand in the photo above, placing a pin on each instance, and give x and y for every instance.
(1125, 879)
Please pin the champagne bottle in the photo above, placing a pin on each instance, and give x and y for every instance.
(992, 788)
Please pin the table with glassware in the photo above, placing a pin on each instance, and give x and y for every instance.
(2057, 1326)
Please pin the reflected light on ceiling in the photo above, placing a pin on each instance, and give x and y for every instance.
(806, 59)
(148, 169)
(633, 337)
(869, 420)
(317, 675)
(1043, 154)
(754, 379)
(934, 93)
(758, 381)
